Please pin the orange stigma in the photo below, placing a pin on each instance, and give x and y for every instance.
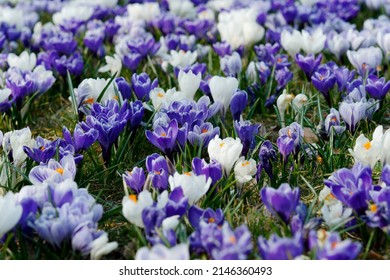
(373, 208)
(205, 130)
(367, 146)
(89, 100)
(211, 220)
(133, 197)
(60, 170)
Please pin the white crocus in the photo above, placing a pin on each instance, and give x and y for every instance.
(189, 83)
(15, 141)
(291, 42)
(299, 101)
(100, 247)
(385, 151)
(282, 103)
(114, 65)
(73, 12)
(10, 213)
(313, 43)
(90, 89)
(182, 8)
(226, 151)
(159, 96)
(132, 207)
(161, 252)
(368, 152)
(327, 197)
(146, 11)
(193, 186)
(335, 214)
(182, 58)
(170, 222)
(24, 61)
(222, 90)
(244, 170)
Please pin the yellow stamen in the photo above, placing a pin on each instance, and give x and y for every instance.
(373, 208)
(157, 173)
(133, 197)
(204, 130)
(289, 133)
(330, 196)
(163, 134)
(221, 145)
(187, 173)
(211, 220)
(367, 146)
(160, 94)
(42, 148)
(89, 100)
(245, 163)
(233, 240)
(116, 97)
(334, 244)
(60, 170)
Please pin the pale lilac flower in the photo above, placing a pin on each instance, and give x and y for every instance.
(160, 252)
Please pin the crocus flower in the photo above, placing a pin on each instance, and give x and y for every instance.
(280, 202)
(314, 42)
(11, 212)
(238, 104)
(225, 151)
(377, 87)
(247, 132)
(189, 83)
(308, 63)
(83, 136)
(291, 42)
(368, 152)
(335, 214)
(202, 134)
(231, 65)
(244, 170)
(212, 170)
(279, 248)
(352, 113)
(161, 252)
(24, 61)
(331, 247)
(197, 215)
(222, 90)
(134, 180)
(385, 155)
(285, 146)
(142, 85)
(14, 143)
(182, 58)
(109, 120)
(164, 138)
(114, 65)
(332, 121)
(267, 154)
(365, 59)
(351, 186)
(100, 247)
(337, 44)
(44, 150)
(282, 77)
(157, 167)
(133, 205)
(194, 186)
(323, 80)
(283, 102)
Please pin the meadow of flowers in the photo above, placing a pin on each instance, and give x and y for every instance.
(195, 129)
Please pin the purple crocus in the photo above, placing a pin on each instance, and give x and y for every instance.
(211, 170)
(109, 120)
(157, 167)
(164, 138)
(280, 248)
(197, 215)
(177, 203)
(332, 121)
(377, 87)
(144, 45)
(142, 85)
(333, 248)
(343, 76)
(282, 77)
(136, 110)
(247, 132)
(222, 49)
(285, 146)
(74, 64)
(231, 65)
(134, 180)
(44, 151)
(238, 104)
(352, 186)
(280, 202)
(267, 154)
(202, 134)
(323, 80)
(308, 63)
(132, 60)
(123, 87)
(83, 136)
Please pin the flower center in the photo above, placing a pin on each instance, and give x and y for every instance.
(211, 220)
(187, 173)
(163, 134)
(245, 163)
(367, 146)
(133, 197)
(334, 244)
(205, 130)
(89, 100)
(160, 95)
(233, 240)
(42, 148)
(221, 145)
(60, 170)
(373, 208)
